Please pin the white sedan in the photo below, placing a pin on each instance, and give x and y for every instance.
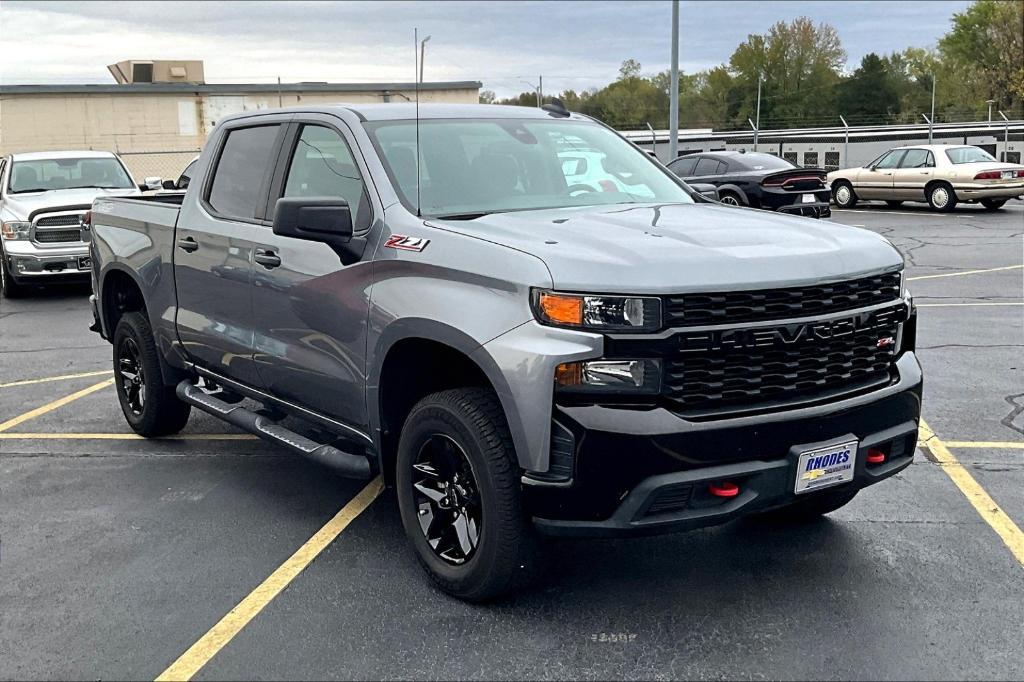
(940, 174)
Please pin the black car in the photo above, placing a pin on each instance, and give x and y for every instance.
(758, 180)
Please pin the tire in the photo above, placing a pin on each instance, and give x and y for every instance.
(993, 204)
(730, 199)
(464, 431)
(941, 197)
(843, 195)
(8, 287)
(150, 407)
(815, 506)
(894, 203)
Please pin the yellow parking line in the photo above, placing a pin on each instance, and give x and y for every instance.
(62, 377)
(48, 407)
(983, 503)
(980, 444)
(965, 272)
(124, 436)
(963, 305)
(200, 653)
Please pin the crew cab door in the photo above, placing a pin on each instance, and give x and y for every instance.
(875, 181)
(310, 302)
(214, 243)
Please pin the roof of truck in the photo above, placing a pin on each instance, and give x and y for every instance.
(42, 156)
(396, 111)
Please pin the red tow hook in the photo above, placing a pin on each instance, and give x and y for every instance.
(724, 489)
(875, 456)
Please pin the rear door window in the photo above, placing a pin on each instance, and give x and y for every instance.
(683, 167)
(707, 167)
(245, 161)
(917, 158)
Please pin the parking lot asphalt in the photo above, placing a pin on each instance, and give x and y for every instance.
(118, 554)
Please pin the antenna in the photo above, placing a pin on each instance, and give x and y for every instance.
(415, 75)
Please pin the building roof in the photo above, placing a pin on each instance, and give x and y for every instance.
(227, 88)
(42, 156)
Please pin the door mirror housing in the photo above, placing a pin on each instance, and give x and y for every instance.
(317, 219)
(152, 182)
(705, 189)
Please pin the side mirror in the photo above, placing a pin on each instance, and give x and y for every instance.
(706, 189)
(317, 219)
(152, 182)
(170, 184)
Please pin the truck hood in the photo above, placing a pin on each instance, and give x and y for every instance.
(676, 248)
(20, 206)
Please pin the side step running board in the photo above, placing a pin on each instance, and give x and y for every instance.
(347, 464)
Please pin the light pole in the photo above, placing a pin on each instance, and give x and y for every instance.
(990, 102)
(673, 97)
(757, 116)
(846, 142)
(423, 52)
(536, 90)
(932, 119)
(1006, 138)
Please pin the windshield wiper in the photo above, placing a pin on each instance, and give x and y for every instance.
(464, 216)
(32, 189)
(96, 187)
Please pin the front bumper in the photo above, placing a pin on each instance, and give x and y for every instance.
(639, 472)
(24, 261)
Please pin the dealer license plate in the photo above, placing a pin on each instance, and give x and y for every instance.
(85, 263)
(1008, 175)
(808, 199)
(825, 467)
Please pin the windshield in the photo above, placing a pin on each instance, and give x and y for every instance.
(479, 166)
(968, 155)
(41, 175)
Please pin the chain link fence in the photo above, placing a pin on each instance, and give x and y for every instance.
(166, 164)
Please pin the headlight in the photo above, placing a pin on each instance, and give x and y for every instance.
(599, 313)
(609, 377)
(15, 229)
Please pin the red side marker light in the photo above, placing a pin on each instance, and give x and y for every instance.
(875, 456)
(724, 489)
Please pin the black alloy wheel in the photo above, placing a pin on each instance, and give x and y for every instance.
(131, 376)
(447, 500)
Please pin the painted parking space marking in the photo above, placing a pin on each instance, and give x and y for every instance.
(882, 212)
(124, 436)
(981, 444)
(200, 653)
(965, 272)
(62, 377)
(49, 407)
(992, 513)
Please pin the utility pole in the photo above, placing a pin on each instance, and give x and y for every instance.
(280, 104)
(760, 79)
(423, 51)
(1006, 138)
(673, 111)
(932, 119)
(540, 92)
(990, 102)
(846, 143)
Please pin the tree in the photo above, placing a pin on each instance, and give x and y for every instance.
(986, 47)
(629, 69)
(487, 97)
(800, 63)
(868, 95)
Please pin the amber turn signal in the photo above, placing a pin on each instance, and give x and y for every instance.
(562, 309)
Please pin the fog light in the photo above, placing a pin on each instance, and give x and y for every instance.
(636, 377)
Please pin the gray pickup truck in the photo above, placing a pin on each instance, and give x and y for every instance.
(519, 352)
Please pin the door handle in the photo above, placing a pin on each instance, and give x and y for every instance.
(267, 258)
(188, 244)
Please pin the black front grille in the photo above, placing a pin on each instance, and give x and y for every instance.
(734, 307)
(754, 377)
(56, 236)
(58, 220)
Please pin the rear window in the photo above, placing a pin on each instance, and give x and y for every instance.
(244, 163)
(968, 155)
(758, 161)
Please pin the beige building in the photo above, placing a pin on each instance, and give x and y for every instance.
(158, 127)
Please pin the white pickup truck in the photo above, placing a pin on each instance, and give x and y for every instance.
(44, 197)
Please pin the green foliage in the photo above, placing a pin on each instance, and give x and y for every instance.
(982, 57)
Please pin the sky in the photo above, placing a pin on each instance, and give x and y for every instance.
(506, 45)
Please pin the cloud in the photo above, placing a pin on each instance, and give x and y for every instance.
(573, 44)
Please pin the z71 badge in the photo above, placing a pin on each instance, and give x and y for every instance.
(400, 241)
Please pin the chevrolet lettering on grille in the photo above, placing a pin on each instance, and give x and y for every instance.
(808, 332)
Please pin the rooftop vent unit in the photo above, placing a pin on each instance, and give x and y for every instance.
(157, 71)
